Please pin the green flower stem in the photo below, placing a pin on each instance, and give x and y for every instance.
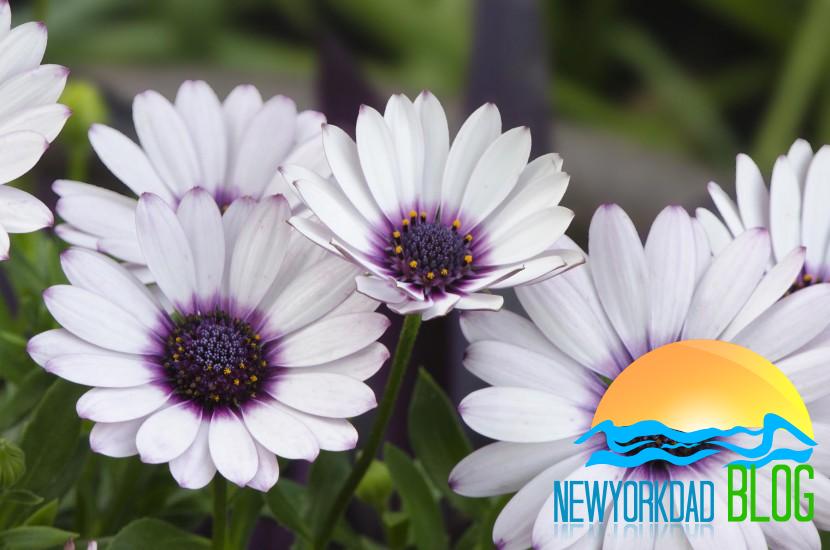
(220, 511)
(406, 341)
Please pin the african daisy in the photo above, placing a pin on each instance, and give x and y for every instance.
(264, 352)
(30, 118)
(548, 374)
(434, 224)
(231, 149)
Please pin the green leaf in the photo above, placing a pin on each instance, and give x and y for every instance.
(158, 535)
(17, 403)
(34, 538)
(438, 440)
(425, 517)
(50, 440)
(21, 496)
(328, 473)
(246, 506)
(287, 500)
(45, 515)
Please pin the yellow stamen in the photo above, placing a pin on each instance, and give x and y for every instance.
(398, 249)
(468, 237)
(456, 224)
(468, 259)
(808, 278)
(423, 216)
(405, 224)
(227, 371)
(253, 378)
(413, 264)
(236, 381)
(430, 275)
(257, 337)
(444, 272)
(396, 234)
(413, 214)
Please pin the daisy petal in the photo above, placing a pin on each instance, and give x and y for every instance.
(502, 467)
(280, 432)
(475, 136)
(127, 162)
(106, 278)
(727, 208)
(436, 147)
(495, 175)
(752, 194)
(530, 236)
(168, 433)
(620, 274)
(727, 285)
(22, 49)
(120, 404)
(785, 209)
(232, 448)
(266, 141)
(375, 147)
(522, 415)
(671, 256)
(815, 224)
(717, 233)
(341, 153)
(267, 472)
(19, 152)
(408, 140)
(323, 394)
(165, 138)
(775, 284)
(787, 325)
(194, 468)
(197, 104)
(104, 370)
(166, 250)
(115, 439)
(202, 224)
(330, 339)
(99, 321)
(20, 212)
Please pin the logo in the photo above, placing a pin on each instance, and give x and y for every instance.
(674, 413)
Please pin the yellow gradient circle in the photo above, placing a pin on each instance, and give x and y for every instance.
(699, 384)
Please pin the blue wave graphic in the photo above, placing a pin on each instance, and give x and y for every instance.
(651, 440)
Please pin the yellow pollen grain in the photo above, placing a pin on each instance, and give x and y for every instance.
(413, 214)
(430, 275)
(227, 371)
(808, 278)
(468, 259)
(456, 224)
(236, 381)
(396, 234)
(405, 223)
(253, 378)
(242, 366)
(398, 249)
(444, 272)
(257, 337)
(214, 397)
(468, 237)
(413, 264)
(424, 216)
(178, 339)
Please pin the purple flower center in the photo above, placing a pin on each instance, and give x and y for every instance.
(803, 281)
(214, 360)
(430, 253)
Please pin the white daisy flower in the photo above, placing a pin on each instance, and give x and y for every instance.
(231, 149)
(548, 374)
(30, 118)
(264, 352)
(434, 225)
(794, 208)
